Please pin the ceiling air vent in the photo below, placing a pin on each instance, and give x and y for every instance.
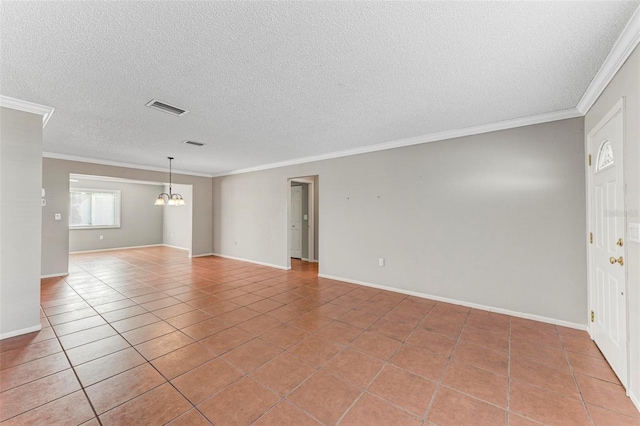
(193, 143)
(161, 106)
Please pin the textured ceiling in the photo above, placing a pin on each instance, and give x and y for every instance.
(273, 81)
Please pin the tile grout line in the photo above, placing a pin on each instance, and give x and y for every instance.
(152, 366)
(446, 367)
(573, 375)
(131, 346)
(95, 413)
(384, 365)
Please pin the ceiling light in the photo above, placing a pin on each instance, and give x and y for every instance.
(164, 107)
(188, 142)
(169, 199)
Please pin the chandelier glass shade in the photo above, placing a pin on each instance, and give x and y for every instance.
(169, 199)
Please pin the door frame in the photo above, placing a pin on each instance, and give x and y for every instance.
(296, 189)
(311, 209)
(617, 108)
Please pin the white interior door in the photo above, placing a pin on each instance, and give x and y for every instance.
(606, 209)
(295, 224)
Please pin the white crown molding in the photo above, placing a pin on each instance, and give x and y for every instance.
(433, 137)
(82, 177)
(26, 106)
(621, 50)
(66, 157)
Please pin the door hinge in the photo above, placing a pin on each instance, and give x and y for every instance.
(592, 316)
(590, 237)
(589, 159)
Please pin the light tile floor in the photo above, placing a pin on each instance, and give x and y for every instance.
(148, 336)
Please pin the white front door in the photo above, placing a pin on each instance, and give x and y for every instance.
(607, 223)
(296, 222)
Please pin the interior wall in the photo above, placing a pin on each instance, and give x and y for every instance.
(496, 219)
(20, 219)
(140, 221)
(626, 83)
(55, 244)
(176, 225)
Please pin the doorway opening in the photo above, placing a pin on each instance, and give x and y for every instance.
(302, 223)
(107, 213)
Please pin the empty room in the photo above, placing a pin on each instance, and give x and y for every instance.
(320, 213)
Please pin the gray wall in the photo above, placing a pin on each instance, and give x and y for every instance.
(55, 241)
(20, 221)
(496, 219)
(626, 84)
(176, 224)
(140, 220)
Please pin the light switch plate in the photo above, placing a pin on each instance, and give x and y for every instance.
(634, 232)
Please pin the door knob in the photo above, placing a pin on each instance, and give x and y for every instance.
(619, 260)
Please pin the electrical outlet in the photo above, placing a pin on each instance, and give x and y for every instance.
(381, 261)
(101, 237)
(58, 216)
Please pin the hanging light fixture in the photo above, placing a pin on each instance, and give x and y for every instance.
(169, 199)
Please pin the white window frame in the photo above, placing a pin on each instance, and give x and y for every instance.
(117, 193)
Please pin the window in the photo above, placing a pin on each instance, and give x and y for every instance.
(605, 156)
(94, 208)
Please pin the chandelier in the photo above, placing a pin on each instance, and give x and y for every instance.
(169, 199)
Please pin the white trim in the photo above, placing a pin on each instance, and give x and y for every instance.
(115, 248)
(635, 400)
(175, 247)
(433, 137)
(66, 157)
(202, 255)
(26, 106)
(311, 220)
(20, 332)
(463, 303)
(621, 50)
(81, 177)
(271, 265)
(60, 274)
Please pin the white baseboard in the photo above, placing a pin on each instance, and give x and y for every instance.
(175, 247)
(60, 274)
(463, 303)
(271, 265)
(20, 332)
(115, 248)
(635, 401)
(203, 255)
